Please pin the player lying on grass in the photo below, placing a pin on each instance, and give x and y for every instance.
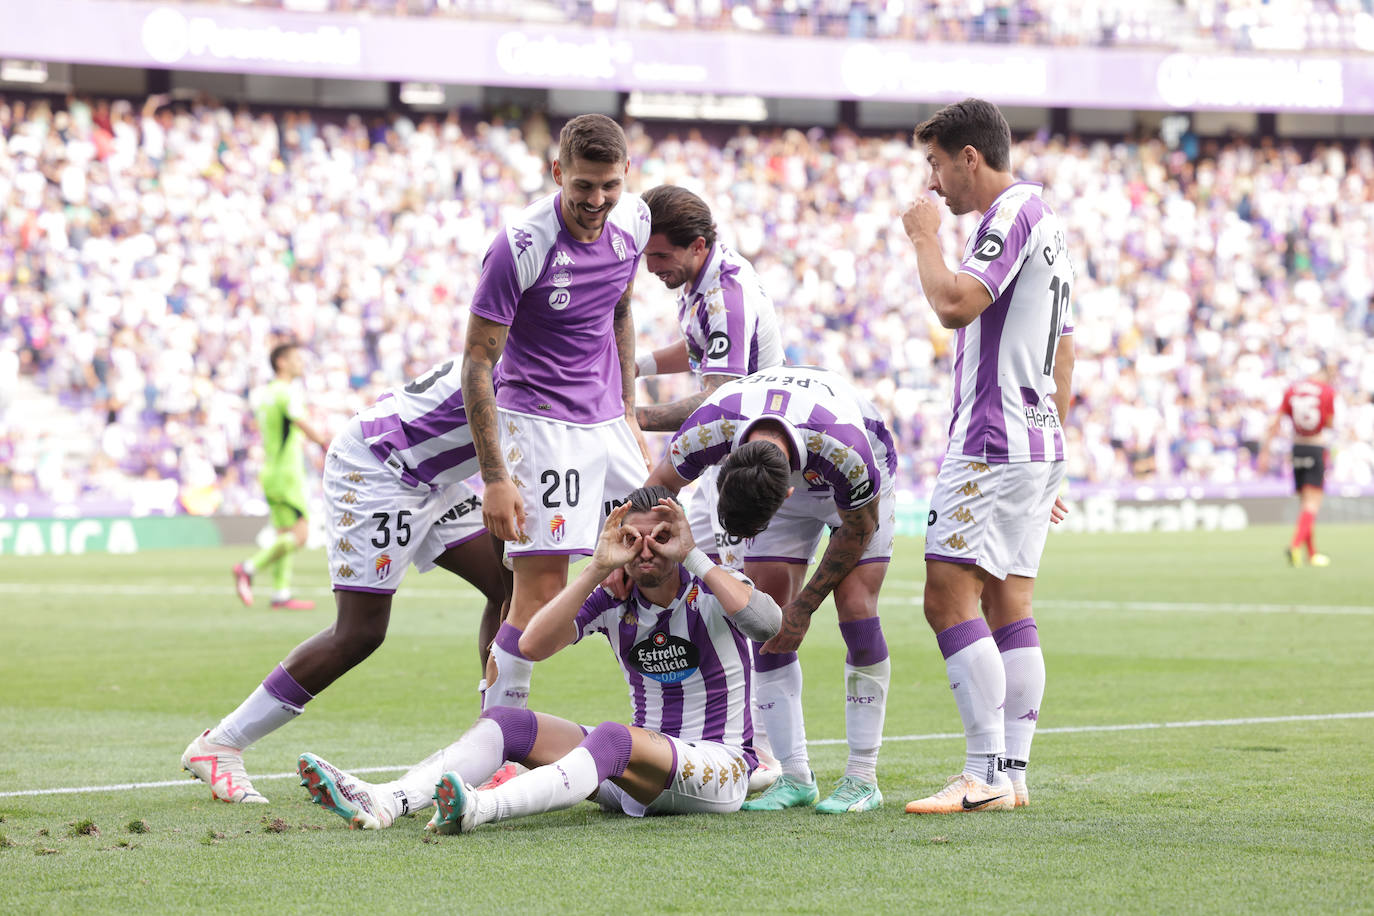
(396, 495)
(681, 637)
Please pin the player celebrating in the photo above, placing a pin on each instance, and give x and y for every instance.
(394, 484)
(280, 411)
(1311, 406)
(680, 639)
(799, 452)
(998, 485)
(729, 329)
(553, 424)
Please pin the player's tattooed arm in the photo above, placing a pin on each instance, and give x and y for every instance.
(486, 340)
(843, 552)
(669, 417)
(625, 347)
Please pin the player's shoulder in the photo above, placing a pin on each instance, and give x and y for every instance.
(631, 216)
(534, 228)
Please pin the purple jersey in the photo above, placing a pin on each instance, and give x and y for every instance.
(558, 297)
(839, 439)
(421, 430)
(687, 666)
(727, 318)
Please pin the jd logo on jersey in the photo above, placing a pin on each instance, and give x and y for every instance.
(717, 345)
(667, 659)
(560, 299)
(989, 247)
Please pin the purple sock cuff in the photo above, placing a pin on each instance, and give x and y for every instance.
(1019, 634)
(962, 635)
(864, 642)
(609, 744)
(508, 639)
(518, 730)
(770, 662)
(283, 686)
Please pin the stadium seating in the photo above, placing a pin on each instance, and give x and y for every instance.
(150, 256)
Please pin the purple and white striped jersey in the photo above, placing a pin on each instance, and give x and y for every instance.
(1004, 408)
(728, 319)
(839, 438)
(421, 429)
(687, 666)
(558, 297)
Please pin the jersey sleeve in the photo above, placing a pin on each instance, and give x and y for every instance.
(293, 404)
(1286, 405)
(704, 439)
(1000, 247)
(727, 330)
(593, 616)
(499, 287)
(844, 459)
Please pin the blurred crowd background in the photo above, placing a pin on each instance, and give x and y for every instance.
(1188, 24)
(152, 253)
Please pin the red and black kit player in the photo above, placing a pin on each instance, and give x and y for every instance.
(1310, 405)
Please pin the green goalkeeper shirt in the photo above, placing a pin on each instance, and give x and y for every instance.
(278, 405)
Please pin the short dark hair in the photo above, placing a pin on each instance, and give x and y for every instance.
(645, 499)
(593, 137)
(972, 122)
(752, 484)
(679, 215)
(279, 351)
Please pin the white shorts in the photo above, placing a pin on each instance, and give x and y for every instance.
(570, 478)
(995, 516)
(795, 531)
(701, 501)
(711, 778)
(376, 525)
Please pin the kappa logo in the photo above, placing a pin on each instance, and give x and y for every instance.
(515, 479)
(963, 515)
(347, 520)
(955, 542)
(350, 497)
(523, 240)
(346, 572)
(345, 545)
(513, 455)
(630, 618)
(815, 442)
(562, 259)
(706, 773)
(383, 566)
(354, 477)
(512, 428)
(688, 768)
(971, 489)
(978, 466)
(1031, 716)
(618, 245)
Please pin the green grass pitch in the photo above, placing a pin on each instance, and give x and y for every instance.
(1202, 749)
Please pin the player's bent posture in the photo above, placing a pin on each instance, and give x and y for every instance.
(729, 330)
(800, 452)
(1311, 406)
(553, 423)
(395, 493)
(997, 488)
(281, 417)
(680, 638)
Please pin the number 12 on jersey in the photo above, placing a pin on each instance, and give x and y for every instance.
(1059, 291)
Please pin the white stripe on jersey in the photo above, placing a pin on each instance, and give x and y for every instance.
(1004, 408)
(422, 429)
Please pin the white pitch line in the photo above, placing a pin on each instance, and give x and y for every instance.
(941, 736)
(463, 592)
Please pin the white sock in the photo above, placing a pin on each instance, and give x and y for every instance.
(512, 684)
(979, 685)
(777, 703)
(1025, 672)
(259, 715)
(865, 707)
(561, 784)
(248, 568)
(474, 757)
(282, 594)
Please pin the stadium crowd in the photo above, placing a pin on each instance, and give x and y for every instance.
(1189, 24)
(151, 255)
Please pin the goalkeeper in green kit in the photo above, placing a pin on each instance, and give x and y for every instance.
(280, 413)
